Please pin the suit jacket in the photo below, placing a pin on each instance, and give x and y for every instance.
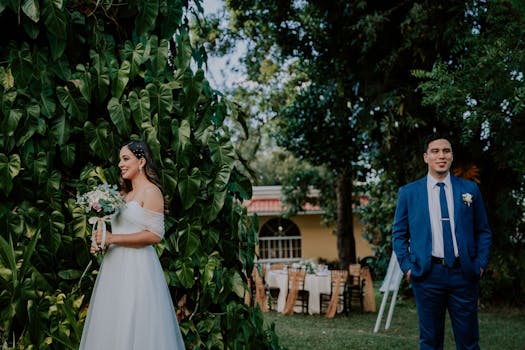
(412, 236)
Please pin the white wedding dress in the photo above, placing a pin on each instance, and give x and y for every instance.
(131, 307)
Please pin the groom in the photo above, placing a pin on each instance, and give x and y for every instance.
(442, 239)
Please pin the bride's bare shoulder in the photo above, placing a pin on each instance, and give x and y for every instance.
(153, 199)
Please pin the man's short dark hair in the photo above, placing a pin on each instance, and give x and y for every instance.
(433, 137)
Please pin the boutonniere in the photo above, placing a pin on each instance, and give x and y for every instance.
(467, 198)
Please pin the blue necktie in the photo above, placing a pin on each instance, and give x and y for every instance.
(448, 246)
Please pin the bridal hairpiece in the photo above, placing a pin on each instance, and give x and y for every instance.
(139, 152)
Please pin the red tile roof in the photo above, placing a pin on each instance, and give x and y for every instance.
(273, 205)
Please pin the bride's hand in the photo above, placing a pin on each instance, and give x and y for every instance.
(98, 239)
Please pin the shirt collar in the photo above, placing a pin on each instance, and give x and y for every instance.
(432, 182)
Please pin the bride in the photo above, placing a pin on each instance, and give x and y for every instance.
(131, 307)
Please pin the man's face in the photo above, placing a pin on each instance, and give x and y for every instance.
(439, 157)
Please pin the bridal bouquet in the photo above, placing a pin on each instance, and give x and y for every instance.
(102, 201)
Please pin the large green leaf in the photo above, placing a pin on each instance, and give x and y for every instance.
(21, 63)
(122, 79)
(16, 224)
(70, 274)
(183, 58)
(222, 178)
(31, 9)
(67, 154)
(181, 134)
(140, 106)
(100, 75)
(76, 106)
(161, 99)
(61, 129)
(184, 272)
(79, 227)
(9, 168)
(212, 262)
(40, 167)
(6, 78)
(135, 55)
(151, 138)
(12, 121)
(31, 124)
(216, 205)
(146, 15)
(97, 137)
(55, 21)
(237, 284)
(83, 83)
(189, 241)
(159, 56)
(222, 153)
(189, 185)
(31, 28)
(53, 189)
(8, 98)
(47, 102)
(193, 85)
(169, 176)
(170, 16)
(26, 266)
(8, 257)
(119, 114)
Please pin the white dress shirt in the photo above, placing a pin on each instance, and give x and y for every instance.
(434, 208)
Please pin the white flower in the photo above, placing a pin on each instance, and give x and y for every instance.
(467, 198)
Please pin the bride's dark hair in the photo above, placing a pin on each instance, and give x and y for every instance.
(140, 149)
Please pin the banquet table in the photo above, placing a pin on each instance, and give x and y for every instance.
(315, 284)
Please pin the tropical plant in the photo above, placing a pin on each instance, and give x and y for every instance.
(77, 79)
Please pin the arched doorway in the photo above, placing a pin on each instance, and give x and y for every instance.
(279, 240)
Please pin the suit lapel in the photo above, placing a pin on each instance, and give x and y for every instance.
(424, 191)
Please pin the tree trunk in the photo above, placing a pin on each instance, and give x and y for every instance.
(345, 221)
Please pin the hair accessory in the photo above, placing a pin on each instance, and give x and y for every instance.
(138, 151)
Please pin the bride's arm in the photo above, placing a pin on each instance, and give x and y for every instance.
(133, 240)
(136, 240)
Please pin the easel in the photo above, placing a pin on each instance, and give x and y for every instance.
(391, 282)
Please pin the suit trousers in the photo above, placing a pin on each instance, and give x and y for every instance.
(441, 289)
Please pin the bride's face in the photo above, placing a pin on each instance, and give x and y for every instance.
(129, 164)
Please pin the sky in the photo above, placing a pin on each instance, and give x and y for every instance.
(219, 74)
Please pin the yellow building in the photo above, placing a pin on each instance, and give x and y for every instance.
(300, 237)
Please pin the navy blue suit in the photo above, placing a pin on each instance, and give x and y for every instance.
(438, 287)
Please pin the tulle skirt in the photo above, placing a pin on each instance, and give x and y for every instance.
(131, 307)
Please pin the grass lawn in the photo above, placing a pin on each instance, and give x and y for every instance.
(499, 330)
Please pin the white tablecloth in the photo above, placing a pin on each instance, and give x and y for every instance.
(314, 284)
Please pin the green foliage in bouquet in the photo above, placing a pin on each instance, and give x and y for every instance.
(77, 79)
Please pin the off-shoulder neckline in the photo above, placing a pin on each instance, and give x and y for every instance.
(145, 209)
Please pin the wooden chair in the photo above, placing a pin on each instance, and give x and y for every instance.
(355, 287)
(329, 302)
(297, 295)
(259, 293)
(273, 292)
